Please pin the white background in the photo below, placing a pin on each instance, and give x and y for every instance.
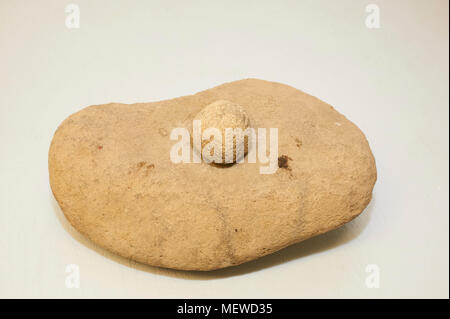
(392, 82)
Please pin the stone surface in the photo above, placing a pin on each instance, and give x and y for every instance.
(111, 173)
(223, 115)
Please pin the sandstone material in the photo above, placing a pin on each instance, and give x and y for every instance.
(111, 173)
(223, 115)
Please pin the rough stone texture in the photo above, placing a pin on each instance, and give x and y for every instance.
(224, 115)
(111, 173)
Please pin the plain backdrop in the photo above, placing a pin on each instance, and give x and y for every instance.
(391, 81)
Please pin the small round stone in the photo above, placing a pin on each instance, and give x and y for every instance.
(223, 114)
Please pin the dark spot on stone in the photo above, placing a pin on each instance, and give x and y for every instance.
(141, 164)
(235, 230)
(148, 168)
(283, 161)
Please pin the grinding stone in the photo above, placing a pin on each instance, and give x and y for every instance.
(111, 173)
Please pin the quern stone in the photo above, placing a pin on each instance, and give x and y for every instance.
(111, 173)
